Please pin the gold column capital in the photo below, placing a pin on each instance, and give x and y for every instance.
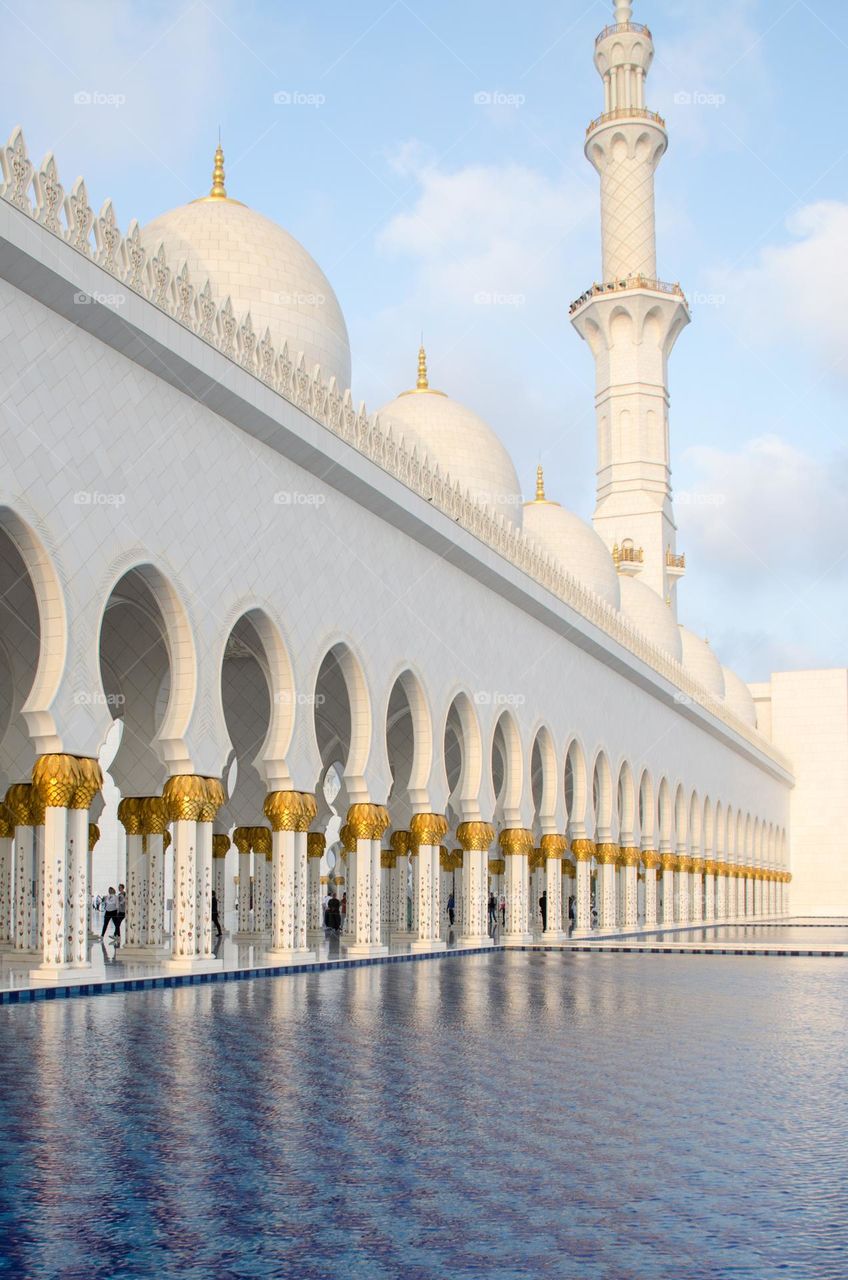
(242, 839)
(516, 840)
(400, 842)
(428, 828)
(284, 810)
(668, 862)
(93, 836)
(387, 859)
(475, 835)
(630, 855)
(260, 839)
(554, 846)
(7, 822)
(368, 821)
(55, 779)
(89, 782)
(583, 850)
(129, 814)
(651, 859)
(220, 845)
(154, 818)
(316, 842)
(607, 853)
(497, 866)
(184, 795)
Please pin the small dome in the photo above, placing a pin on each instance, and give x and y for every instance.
(651, 615)
(739, 698)
(262, 269)
(459, 442)
(573, 543)
(701, 663)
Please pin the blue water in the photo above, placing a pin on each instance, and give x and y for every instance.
(517, 1115)
(816, 936)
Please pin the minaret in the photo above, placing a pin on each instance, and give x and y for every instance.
(631, 320)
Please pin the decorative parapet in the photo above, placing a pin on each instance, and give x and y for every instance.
(40, 196)
(619, 28)
(625, 113)
(628, 282)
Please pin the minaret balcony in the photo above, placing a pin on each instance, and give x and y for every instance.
(675, 565)
(627, 558)
(619, 28)
(629, 282)
(625, 113)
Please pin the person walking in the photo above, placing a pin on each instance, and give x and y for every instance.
(110, 911)
(493, 912)
(451, 908)
(120, 913)
(572, 910)
(343, 911)
(543, 907)
(333, 915)
(215, 920)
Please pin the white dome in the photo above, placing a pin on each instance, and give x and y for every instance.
(651, 615)
(573, 543)
(739, 698)
(457, 440)
(701, 662)
(262, 269)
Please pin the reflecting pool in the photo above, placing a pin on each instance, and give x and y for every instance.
(518, 1115)
(822, 936)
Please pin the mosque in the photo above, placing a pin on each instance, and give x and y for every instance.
(260, 640)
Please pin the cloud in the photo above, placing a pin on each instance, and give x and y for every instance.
(795, 292)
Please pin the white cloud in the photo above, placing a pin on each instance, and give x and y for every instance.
(795, 292)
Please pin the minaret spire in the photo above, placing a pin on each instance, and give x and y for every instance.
(540, 484)
(423, 383)
(631, 319)
(218, 191)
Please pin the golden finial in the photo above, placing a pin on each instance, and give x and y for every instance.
(423, 383)
(219, 191)
(540, 484)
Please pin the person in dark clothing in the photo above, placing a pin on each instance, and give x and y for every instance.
(493, 911)
(572, 910)
(451, 909)
(215, 920)
(334, 914)
(110, 911)
(121, 913)
(543, 907)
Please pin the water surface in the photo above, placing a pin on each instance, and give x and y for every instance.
(519, 1115)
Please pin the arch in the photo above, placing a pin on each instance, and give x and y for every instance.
(463, 748)
(272, 654)
(602, 798)
(626, 805)
(708, 843)
(664, 815)
(680, 818)
(544, 780)
(720, 843)
(694, 824)
(178, 637)
(576, 790)
(342, 708)
(647, 810)
(506, 744)
(409, 739)
(52, 625)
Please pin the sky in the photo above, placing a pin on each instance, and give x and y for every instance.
(429, 155)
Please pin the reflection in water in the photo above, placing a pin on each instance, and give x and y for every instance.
(520, 1115)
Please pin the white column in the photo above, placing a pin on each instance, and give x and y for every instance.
(582, 851)
(400, 842)
(515, 846)
(242, 837)
(553, 848)
(157, 843)
(631, 888)
(315, 845)
(651, 861)
(696, 902)
(129, 814)
(427, 831)
(683, 879)
(282, 895)
(606, 880)
(220, 848)
(7, 837)
(710, 892)
(414, 875)
(203, 901)
(53, 898)
(259, 886)
(475, 839)
(79, 885)
(367, 823)
(183, 940)
(23, 806)
(186, 797)
(721, 893)
(668, 864)
(290, 813)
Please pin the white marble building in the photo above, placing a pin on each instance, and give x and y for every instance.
(339, 645)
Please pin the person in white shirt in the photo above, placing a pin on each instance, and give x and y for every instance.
(111, 911)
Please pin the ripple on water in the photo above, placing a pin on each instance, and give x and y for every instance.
(518, 1115)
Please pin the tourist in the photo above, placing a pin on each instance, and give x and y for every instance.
(120, 913)
(215, 919)
(543, 907)
(572, 910)
(343, 911)
(493, 912)
(333, 914)
(451, 908)
(110, 911)
(503, 912)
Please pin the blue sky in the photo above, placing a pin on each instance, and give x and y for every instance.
(416, 198)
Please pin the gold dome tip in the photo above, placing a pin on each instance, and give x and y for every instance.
(423, 382)
(218, 191)
(540, 484)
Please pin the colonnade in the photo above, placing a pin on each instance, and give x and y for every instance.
(46, 841)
